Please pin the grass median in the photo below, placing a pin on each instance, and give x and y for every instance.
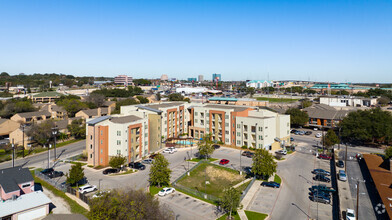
(276, 99)
(255, 215)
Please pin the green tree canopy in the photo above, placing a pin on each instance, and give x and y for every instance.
(124, 102)
(42, 132)
(251, 91)
(76, 173)
(331, 139)
(13, 107)
(128, 204)
(263, 163)
(77, 128)
(205, 147)
(141, 82)
(176, 97)
(305, 103)
(72, 106)
(297, 117)
(374, 125)
(231, 201)
(142, 99)
(160, 172)
(117, 161)
(97, 99)
(388, 152)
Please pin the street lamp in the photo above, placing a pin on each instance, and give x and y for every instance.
(54, 132)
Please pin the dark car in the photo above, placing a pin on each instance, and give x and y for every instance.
(110, 170)
(216, 146)
(250, 155)
(293, 131)
(321, 199)
(291, 139)
(137, 165)
(224, 162)
(319, 193)
(308, 133)
(321, 171)
(324, 156)
(245, 153)
(271, 184)
(340, 164)
(322, 187)
(47, 171)
(55, 174)
(321, 178)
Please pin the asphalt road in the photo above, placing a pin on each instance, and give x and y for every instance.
(41, 159)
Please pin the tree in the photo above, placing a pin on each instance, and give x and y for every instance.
(263, 163)
(142, 99)
(128, 204)
(72, 106)
(160, 172)
(77, 129)
(117, 161)
(305, 103)
(97, 99)
(124, 102)
(41, 133)
(251, 91)
(75, 174)
(383, 100)
(331, 139)
(297, 117)
(206, 147)
(231, 200)
(158, 96)
(176, 97)
(388, 152)
(141, 82)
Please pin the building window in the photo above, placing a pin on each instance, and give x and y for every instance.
(238, 142)
(101, 132)
(91, 155)
(118, 133)
(195, 113)
(260, 128)
(227, 124)
(118, 142)
(226, 116)
(208, 114)
(227, 132)
(91, 137)
(145, 143)
(26, 185)
(118, 152)
(91, 146)
(101, 141)
(195, 120)
(202, 114)
(101, 151)
(101, 160)
(260, 137)
(227, 140)
(238, 134)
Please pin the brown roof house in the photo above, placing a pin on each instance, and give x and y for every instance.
(321, 115)
(30, 117)
(93, 113)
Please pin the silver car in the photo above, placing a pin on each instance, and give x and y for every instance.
(342, 176)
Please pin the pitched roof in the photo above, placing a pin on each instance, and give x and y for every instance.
(11, 177)
(97, 120)
(94, 112)
(163, 105)
(48, 94)
(36, 113)
(325, 112)
(61, 125)
(24, 202)
(57, 108)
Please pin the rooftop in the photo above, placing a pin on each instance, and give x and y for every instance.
(124, 119)
(47, 94)
(223, 99)
(32, 114)
(11, 177)
(24, 202)
(236, 108)
(323, 111)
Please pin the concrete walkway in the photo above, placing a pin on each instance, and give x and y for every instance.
(60, 206)
(248, 199)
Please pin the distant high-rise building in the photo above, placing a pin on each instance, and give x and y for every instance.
(216, 77)
(192, 79)
(201, 78)
(164, 77)
(123, 80)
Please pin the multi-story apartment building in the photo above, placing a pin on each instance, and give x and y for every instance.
(140, 129)
(240, 126)
(108, 136)
(123, 80)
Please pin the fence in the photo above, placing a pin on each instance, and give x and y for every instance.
(186, 173)
(197, 193)
(247, 188)
(82, 197)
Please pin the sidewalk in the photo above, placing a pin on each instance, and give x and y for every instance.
(248, 199)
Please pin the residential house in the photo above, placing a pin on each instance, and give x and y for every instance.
(15, 181)
(45, 97)
(31, 117)
(93, 113)
(7, 126)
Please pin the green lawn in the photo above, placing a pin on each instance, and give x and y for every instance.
(198, 159)
(219, 179)
(276, 99)
(154, 190)
(75, 207)
(74, 162)
(197, 196)
(255, 215)
(242, 187)
(224, 217)
(277, 179)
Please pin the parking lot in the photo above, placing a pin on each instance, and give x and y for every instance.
(264, 199)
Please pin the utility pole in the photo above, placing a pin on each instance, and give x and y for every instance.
(23, 148)
(357, 185)
(13, 153)
(54, 132)
(47, 142)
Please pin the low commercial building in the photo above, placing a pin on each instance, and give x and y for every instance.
(321, 115)
(31, 117)
(237, 101)
(45, 97)
(258, 84)
(353, 101)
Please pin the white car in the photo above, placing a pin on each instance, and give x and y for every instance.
(147, 161)
(168, 150)
(284, 152)
(350, 214)
(173, 149)
(101, 193)
(166, 190)
(318, 135)
(87, 189)
(315, 129)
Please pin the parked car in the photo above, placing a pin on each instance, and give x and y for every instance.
(315, 129)
(321, 178)
(301, 132)
(350, 214)
(319, 193)
(291, 139)
(224, 161)
(321, 199)
(321, 171)
(271, 184)
(87, 189)
(342, 176)
(322, 187)
(318, 135)
(173, 149)
(152, 156)
(55, 174)
(340, 164)
(166, 190)
(148, 161)
(168, 150)
(110, 170)
(216, 146)
(47, 171)
(250, 155)
(293, 131)
(284, 152)
(308, 133)
(324, 156)
(245, 153)
(137, 165)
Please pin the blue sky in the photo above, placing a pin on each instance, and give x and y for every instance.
(342, 41)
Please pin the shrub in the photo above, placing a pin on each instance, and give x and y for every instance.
(2, 151)
(244, 147)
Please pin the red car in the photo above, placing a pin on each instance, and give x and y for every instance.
(224, 161)
(324, 156)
